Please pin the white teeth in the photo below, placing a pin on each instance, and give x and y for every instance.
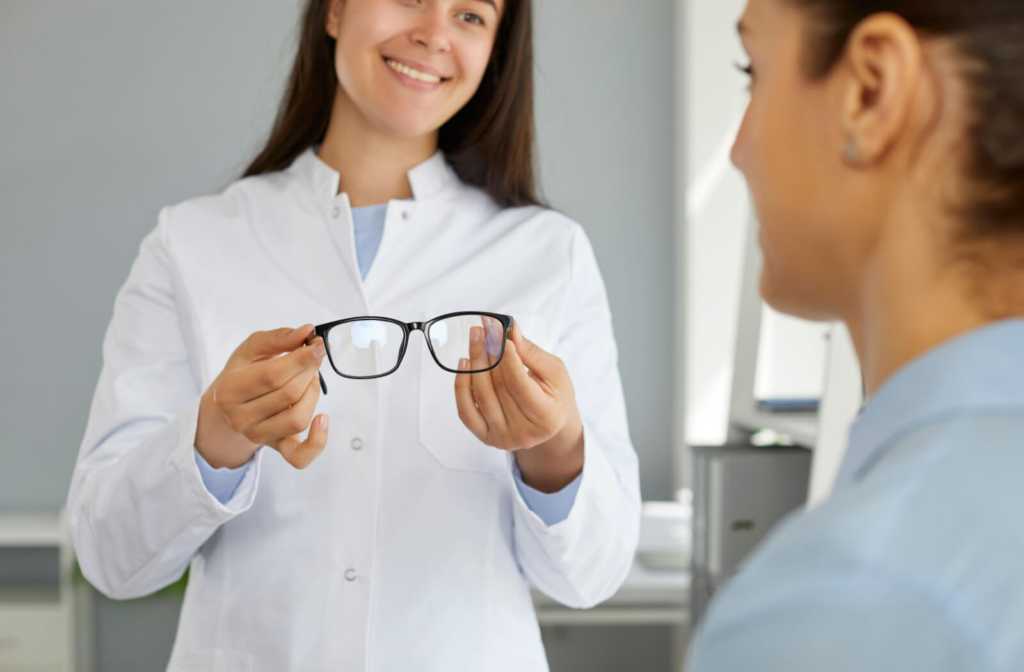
(410, 72)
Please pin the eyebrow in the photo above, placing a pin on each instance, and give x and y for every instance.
(489, 2)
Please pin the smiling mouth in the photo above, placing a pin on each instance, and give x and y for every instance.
(414, 73)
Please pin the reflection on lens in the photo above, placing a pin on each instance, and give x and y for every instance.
(450, 341)
(365, 332)
(365, 347)
(440, 334)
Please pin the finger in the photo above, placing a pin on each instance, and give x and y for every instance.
(469, 414)
(530, 399)
(249, 414)
(263, 344)
(495, 336)
(264, 377)
(525, 429)
(300, 454)
(289, 421)
(509, 408)
(538, 360)
(482, 387)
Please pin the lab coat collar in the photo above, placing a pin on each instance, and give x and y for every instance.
(426, 179)
(431, 176)
(979, 371)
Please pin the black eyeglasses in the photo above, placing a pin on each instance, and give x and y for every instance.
(373, 347)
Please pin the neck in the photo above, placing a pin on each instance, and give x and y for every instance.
(372, 165)
(911, 300)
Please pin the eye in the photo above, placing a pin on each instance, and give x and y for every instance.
(471, 18)
(748, 70)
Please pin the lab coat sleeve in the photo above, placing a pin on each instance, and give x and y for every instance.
(583, 560)
(841, 620)
(137, 506)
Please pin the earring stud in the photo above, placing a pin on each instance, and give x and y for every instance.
(851, 152)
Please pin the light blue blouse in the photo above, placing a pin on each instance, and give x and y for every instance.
(916, 562)
(368, 230)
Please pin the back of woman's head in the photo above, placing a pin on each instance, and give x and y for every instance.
(883, 136)
(989, 38)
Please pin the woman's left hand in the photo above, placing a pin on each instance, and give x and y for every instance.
(532, 412)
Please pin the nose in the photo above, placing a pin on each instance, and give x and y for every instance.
(431, 31)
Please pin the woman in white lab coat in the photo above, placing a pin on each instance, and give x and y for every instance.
(397, 182)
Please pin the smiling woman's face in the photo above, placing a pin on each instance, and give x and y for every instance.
(409, 66)
(815, 216)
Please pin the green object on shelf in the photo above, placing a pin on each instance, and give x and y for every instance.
(176, 589)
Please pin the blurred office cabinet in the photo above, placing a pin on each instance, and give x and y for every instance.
(37, 606)
(739, 493)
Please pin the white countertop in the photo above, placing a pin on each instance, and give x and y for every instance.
(33, 529)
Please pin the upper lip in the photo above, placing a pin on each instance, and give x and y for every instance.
(416, 65)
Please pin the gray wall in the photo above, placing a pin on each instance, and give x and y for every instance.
(110, 110)
(605, 99)
(114, 108)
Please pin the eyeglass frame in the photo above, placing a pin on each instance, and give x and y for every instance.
(321, 330)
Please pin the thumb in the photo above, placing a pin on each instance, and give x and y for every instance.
(533, 356)
(264, 344)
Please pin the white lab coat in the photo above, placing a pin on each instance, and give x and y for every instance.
(414, 551)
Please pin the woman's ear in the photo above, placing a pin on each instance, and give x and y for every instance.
(881, 74)
(333, 19)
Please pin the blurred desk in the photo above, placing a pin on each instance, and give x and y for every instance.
(648, 597)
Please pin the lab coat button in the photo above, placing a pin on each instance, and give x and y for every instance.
(357, 443)
(336, 212)
(405, 214)
(350, 575)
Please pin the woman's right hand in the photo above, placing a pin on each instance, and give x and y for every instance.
(264, 398)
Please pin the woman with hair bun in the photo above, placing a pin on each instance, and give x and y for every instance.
(884, 149)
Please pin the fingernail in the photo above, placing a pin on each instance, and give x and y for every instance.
(323, 422)
(320, 350)
(463, 364)
(474, 335)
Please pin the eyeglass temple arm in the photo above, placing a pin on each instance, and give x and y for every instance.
(309, 341)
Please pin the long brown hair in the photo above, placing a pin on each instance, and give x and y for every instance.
(489, 142)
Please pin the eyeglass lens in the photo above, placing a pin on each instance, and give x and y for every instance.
(451, 340)
(365, 347)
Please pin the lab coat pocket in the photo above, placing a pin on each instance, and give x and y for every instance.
(215, 660)
(442, 432)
